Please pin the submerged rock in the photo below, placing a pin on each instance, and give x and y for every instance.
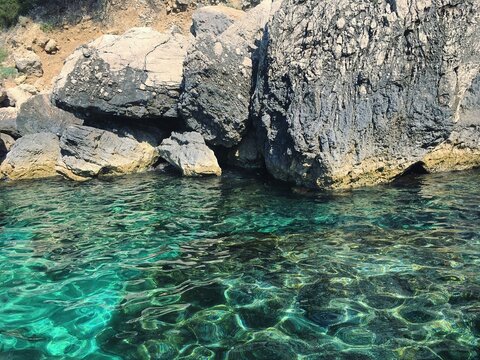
(32, 156)
(218, 79)
(354, 93)
(37, 114)
(189, 153)
(87, 152)
(137, 75)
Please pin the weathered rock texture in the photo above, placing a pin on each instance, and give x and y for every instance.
(461, 150)
(8, 121)
(213, 20)
(88, 152)
(37, 114)
(189, 153)
(354, 92)
(28, 63)
(246, 155)
(218, 79)
(18, 95)
(32, 156)
(136, 75)
(6, 143)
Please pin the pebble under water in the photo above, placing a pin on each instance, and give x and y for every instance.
(160, 267)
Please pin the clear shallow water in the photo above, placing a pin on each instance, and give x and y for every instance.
(159, 267)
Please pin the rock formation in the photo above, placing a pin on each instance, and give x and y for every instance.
(354, 93)
(37, 114)
(461, 150)
(32, 156)
(136, 75)
(218, 79)
(29, 63)
(213, 20)
(88, 152)
(8, 121)
(189, 153)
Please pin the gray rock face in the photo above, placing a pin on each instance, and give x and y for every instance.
(461, 150)
(136, 75)
(213, 20)
(218, 79)
(352, 93)
(6, 143)
(29, 63)
(189, 153)
(39, 115)
(8, 121)
(32, 156)
(246, 155)
(88, 152)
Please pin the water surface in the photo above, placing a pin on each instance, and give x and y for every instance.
(159, 267)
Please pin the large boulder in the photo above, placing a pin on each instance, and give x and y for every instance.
(87, 152)
(137, 75)
(353, 93)
(8, 121)
(189, 153)
(213, 20)
(32, 156)
(19, 94)
(37, 114)
(218, 79)
(28, 63)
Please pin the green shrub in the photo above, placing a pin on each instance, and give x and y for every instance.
(7, 72)
(47, 27)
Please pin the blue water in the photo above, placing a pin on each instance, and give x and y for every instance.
(159, 267)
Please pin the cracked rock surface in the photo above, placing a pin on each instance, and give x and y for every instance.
(354, 93)
(136, 75)
(87, 152)
(188, 153)
(218, 75)
(32, 156)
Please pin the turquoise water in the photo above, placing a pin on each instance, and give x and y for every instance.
(158, 267)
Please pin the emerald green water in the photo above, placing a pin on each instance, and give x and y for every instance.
(158, 267)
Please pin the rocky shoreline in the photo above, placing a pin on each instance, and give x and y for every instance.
(321, 94)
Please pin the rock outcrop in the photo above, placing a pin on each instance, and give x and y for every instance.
(136, 75)
(19, 94)
(32, 156)
(87, 152)
(37, 114)
(28, 63)
(354, 93)
(461, 150)
(218, 79)
(213, 20)
(8, 121)
(189, 154)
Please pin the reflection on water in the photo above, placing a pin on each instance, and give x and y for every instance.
(159, 267)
